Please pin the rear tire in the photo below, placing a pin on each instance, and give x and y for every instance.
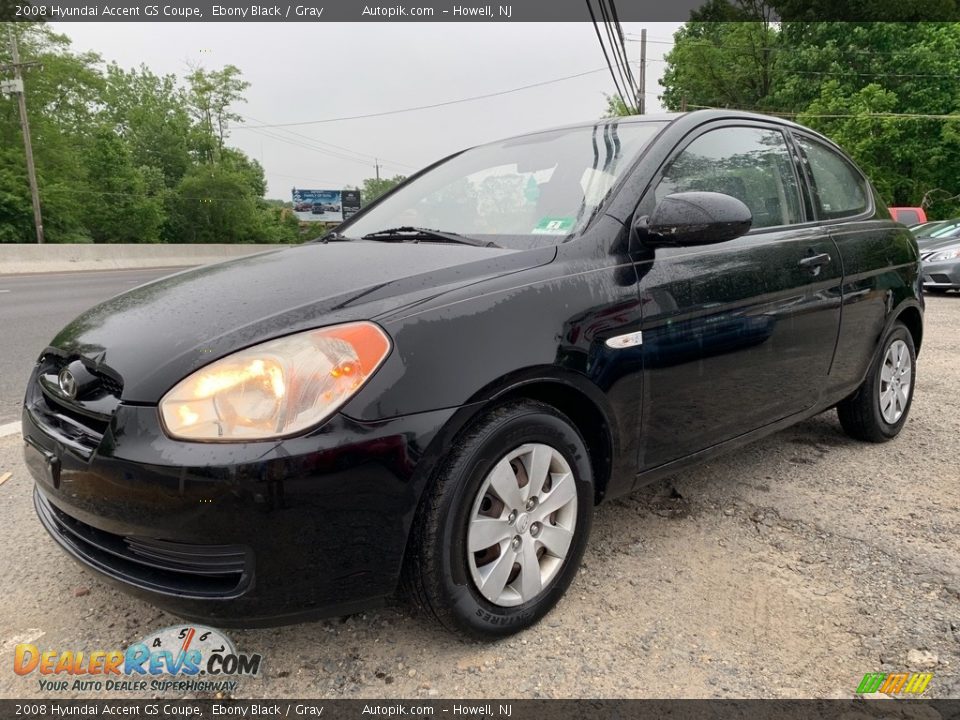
(494, 547)
(878, 410)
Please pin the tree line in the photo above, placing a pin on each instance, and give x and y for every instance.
(886, 92)
(129, 156)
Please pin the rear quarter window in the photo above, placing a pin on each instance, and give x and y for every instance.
(839, 190)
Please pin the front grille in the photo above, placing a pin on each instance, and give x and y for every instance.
(940, 278)
(79, 433)
(106, 386)
(170, 568)
(80, 423)
(111, 386)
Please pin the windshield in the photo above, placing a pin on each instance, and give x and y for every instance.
(533, 190)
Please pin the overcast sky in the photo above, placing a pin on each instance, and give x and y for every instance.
(303, 71)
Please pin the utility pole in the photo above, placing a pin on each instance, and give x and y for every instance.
(376, 165)
(643, 72)
(16, 88)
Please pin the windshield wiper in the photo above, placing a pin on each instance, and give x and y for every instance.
(330, 237)
(399, 233)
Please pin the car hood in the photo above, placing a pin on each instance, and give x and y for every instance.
(933, 244)
(156, 334)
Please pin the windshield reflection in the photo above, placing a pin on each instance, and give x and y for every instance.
(533, 190)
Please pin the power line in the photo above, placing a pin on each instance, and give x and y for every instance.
(606, 57)
(301, 177)
(307, 146)
(872, 74)
(617, 30)
(300, 144)
(750, 52)
(366, 156)
(614, 34)
(106, 193)
(634, 37)
(858, 116)
(429, 107)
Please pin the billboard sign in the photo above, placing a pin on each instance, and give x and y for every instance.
(350, 201)
(332, 206)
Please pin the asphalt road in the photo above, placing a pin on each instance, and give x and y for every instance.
(788, 569)
(33, 308)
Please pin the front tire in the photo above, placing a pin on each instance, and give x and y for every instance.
(878, 410)
(501, 534)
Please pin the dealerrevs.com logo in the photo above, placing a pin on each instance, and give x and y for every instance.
(183, 658)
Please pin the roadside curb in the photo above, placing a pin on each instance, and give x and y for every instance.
(23, 259)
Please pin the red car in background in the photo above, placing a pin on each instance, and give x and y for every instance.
(908, 215)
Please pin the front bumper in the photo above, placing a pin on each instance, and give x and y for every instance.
(945, 275)
(236, 534)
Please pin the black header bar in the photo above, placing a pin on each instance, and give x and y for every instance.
(333, 11)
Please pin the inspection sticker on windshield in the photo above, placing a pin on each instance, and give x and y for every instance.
(554, 226)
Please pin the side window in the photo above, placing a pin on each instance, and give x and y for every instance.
(751, 164)
(838, 189)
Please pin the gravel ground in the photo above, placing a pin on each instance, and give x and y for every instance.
(788, 569)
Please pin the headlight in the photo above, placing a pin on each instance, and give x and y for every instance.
(948, 254)
(278, 388)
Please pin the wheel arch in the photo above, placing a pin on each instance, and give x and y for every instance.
(574, 396)
(586, 416)
(912, 317)
(582, 402)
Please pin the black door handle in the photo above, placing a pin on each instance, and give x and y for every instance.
(815, 261)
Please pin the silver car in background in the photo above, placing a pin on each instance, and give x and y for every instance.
(940, 263)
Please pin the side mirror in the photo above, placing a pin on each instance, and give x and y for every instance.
(694, 218)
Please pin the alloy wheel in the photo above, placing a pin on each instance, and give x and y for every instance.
(895, 374)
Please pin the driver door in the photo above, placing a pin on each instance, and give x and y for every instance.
(739, 334)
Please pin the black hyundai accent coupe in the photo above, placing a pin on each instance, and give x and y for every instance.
(436, 395)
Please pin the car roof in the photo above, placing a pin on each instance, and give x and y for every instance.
(692, 118)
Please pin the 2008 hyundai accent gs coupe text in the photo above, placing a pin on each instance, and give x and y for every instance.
(442, 390)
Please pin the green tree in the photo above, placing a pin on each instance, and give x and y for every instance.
(214, 204)
(211, 94)
(839, 77)
(247, 167)
(16, 216)
(375, 187)
(867, 86)
(728, 64)
(128, 203)
(125, 155)
(616, 107)
(150, 113)
(62, 99)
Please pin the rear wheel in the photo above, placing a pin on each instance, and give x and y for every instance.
(879, 408)
(502, 533)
